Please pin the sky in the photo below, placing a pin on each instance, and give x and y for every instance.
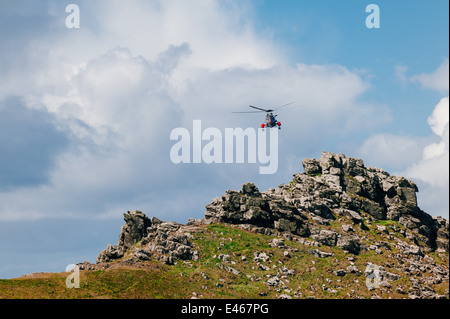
(86, 113)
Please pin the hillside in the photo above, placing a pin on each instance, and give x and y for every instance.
(338, 230)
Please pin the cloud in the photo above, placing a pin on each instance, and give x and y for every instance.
(422, 159)
(104, 99)
(392, 152)
(438, 80)
(29, 143)
(433, 167)
(438, 120)
(118, 97)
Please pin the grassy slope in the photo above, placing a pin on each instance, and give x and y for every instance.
(313, 276)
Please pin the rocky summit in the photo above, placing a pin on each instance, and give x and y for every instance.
(337, 202)
(338, 230)
(334, 186)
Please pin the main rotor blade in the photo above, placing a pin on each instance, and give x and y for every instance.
(260, 109)
(249, 112)
(284, 106)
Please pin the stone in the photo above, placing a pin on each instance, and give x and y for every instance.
(311, 166)
(349, 243)
(352, 215)
(141, 254)
(273, 281)
(347, 228)
(135, 228)
(413, 250)
(320, 254)
(261, 257)
(110, 253)
(340, 273)
(250, 189)
(277, 242)
(326, 237)
(353, 269)
(325, 203)
(335, 171)
(382, 228)
(373, 208)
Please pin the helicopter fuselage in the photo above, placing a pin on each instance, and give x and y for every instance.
(271, 121)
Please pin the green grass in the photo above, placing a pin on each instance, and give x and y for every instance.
(180, 281)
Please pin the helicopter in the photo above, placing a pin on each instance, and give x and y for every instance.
(271, 119)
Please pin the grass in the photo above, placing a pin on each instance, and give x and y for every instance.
(208, 277)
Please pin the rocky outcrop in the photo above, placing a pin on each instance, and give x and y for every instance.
(248, 206)
(336, 203)
(165, 241)
(331, 187)
(135, 228)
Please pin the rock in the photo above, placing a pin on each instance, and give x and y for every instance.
(277, 242)
(413, 250)
(141, 254)
(249, 207)
(250, 189)
(195, 255)
(352, 215)
(225, 258)
(167, 259)
(373, 208)
(349, 243)
(442, 245)
(320, 254)
(340, 273)
(382, 228)
(352, 269)
(110, 253)
(154, 236)
(228, 269)
(311, 166)
(135, 228)
(326, 237)
(261, 257)
(325, 203)
(347, 228)
(273, 281)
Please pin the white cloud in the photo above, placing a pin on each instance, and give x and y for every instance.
(121, 84)
(438, 80)
(433, 167)
(393, 152)
(438, 120)
(424, 160)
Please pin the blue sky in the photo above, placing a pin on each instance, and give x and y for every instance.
(86, 114)
(412, 34)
